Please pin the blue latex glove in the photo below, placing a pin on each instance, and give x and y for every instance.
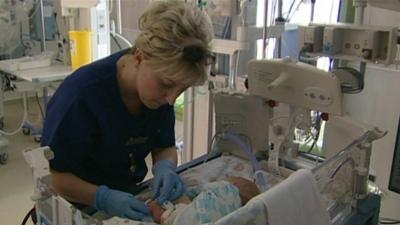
(118, 203)
(167, 185)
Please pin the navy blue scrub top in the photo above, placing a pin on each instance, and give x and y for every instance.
(93, 135)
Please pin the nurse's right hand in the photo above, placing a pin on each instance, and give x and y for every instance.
(118, 203)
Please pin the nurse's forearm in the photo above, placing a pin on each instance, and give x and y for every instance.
(73, 188)
(165, 153)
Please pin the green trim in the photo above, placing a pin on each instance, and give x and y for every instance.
(347, 12)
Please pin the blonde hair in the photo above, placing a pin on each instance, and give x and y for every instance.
(175, 40)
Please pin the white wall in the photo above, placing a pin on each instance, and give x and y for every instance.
(201, 121)
(131, 10)
(379, 105)
(381, 17)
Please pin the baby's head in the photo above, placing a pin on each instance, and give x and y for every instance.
(247, 188)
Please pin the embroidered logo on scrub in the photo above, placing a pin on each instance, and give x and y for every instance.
(132, 160)
(136, 140)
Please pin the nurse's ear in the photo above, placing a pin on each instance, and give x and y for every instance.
(137, 57)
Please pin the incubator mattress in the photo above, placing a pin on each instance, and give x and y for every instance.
(209, 171)
(216, 169)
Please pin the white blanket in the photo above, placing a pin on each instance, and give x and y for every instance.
(295, 201)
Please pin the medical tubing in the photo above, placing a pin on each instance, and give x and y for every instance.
(348, 160)
(39, 105)
(116, 41)
(23, 119)
(211, 147)
(290, 10)
(319, 124)
(237, 63)
(27, 116)
(260, 177)
(342, 154)
(261, 180)
(384, 220)
(127, 42)
(247, 149)
(243, 13)
(27, 216)
(394, 222)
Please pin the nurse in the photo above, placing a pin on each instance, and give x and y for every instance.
(108, 116)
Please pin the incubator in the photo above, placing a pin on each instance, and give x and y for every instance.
(293, 187)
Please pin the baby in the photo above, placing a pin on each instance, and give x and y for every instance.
(213, 201)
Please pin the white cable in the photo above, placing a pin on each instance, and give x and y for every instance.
(397, 59)
(267, 46)
(35, 8)
(292, 120)
(273, 12)
(243, 12)
(23, 119)
(293, 124)
(287, 14)
(331, 12)
(119, 16)
(211, 150)
(110, 6)
(127, 42)
(237, 63)
(297, 8)
(38, 113)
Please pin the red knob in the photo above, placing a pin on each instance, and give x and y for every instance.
(272, 103)
(325, 116)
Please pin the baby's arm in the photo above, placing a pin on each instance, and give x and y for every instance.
(184, 199)
(157, 211)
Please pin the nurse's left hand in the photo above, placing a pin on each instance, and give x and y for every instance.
(167, 185)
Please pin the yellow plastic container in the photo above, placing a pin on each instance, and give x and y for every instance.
(80, 48)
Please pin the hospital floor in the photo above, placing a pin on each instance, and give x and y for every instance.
(16, 184)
